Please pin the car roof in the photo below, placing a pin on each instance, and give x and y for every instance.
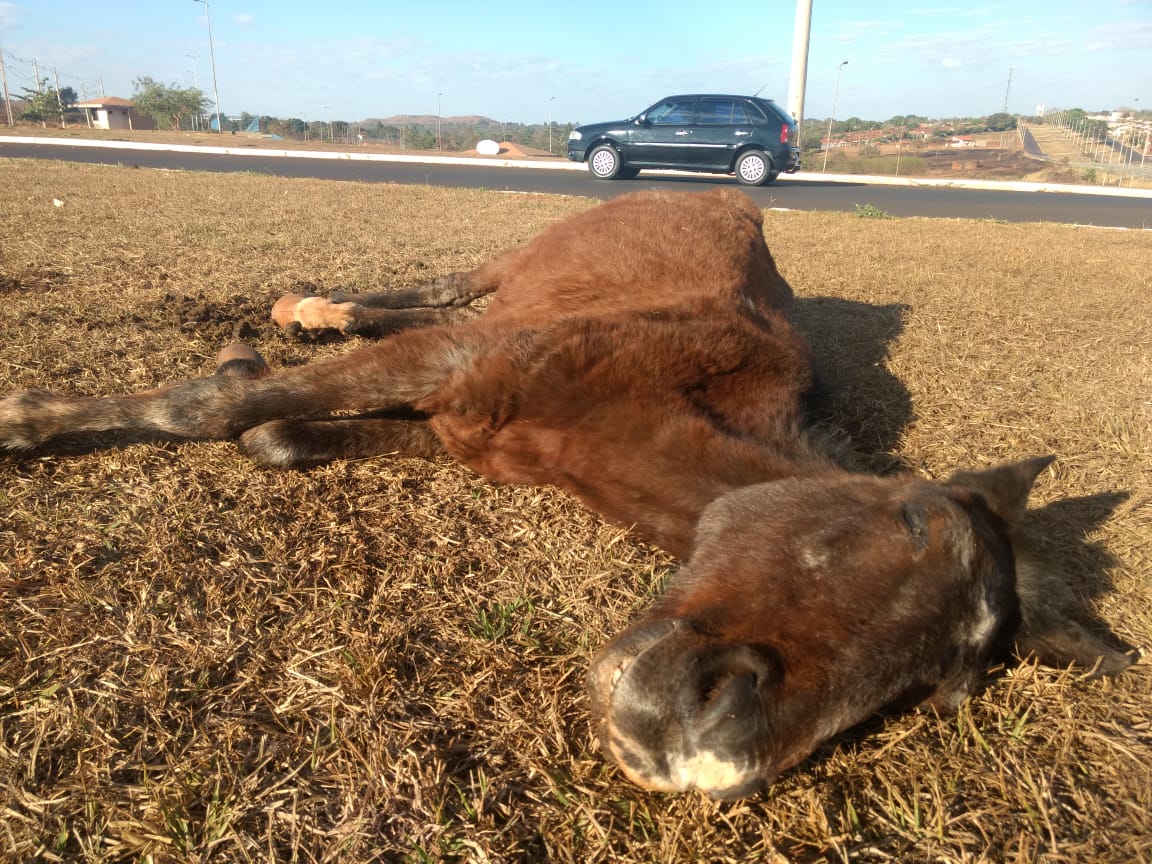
(718, 95)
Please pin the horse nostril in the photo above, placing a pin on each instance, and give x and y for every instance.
(730, 699)
(733, 698)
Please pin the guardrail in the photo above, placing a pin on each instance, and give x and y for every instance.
(1108, 157)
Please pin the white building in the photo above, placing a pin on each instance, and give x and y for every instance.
(112, 113)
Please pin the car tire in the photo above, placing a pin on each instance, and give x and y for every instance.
(604, 162)
(627, 173)
(754, 168)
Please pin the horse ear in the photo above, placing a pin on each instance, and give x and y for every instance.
(1004, 488)
(1049, 629)
(1059, 642)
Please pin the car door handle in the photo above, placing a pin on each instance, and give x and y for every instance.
(681, 131)
(741, 132)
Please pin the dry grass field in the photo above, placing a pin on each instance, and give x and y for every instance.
(383, 660)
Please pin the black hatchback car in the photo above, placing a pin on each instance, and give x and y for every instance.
(745, 135)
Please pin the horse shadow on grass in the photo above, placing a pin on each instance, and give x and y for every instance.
(1062, 572)
(856, 394)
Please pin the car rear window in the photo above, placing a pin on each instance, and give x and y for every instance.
(772, 109)
(721, 112)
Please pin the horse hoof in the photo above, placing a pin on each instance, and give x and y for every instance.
(240, 361)
(284, 310)
(313, 313)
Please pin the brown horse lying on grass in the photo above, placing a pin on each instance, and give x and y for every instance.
(641, 356)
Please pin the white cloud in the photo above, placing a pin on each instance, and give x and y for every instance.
(1128, 36)
(245, 19)
(10, 16)
(851, 32)
(955, 11)
(936, 10)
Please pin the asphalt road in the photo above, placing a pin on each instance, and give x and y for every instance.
(810, 193)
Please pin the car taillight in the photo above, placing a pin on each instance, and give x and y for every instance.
(785, 133)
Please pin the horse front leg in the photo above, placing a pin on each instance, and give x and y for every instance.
(441, 302)
(392, 376)
(298, 314)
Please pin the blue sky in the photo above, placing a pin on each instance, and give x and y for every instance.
(516, 62)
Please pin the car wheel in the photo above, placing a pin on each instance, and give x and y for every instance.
(627, 173)
(754, 168)
(604, 162)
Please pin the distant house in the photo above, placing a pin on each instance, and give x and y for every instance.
(963, 141)
(113, 113)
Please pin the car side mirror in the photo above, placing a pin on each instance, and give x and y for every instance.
(642, 120)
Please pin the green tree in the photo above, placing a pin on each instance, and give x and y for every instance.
(389, 134)
(1072, 116)
(168, 105)
(1001, 122)
(419, 138)
(46, 104)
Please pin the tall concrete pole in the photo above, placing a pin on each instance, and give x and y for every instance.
(799, 79)
(59, 101)
(212, 57)
(7, 98)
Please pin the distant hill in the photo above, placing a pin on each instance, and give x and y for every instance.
(429, 120)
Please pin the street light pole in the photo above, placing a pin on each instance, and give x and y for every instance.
(439, 146)
(835, 93)
(212, 54)
(551, 99)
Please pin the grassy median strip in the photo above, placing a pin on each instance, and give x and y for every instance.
(383, 660)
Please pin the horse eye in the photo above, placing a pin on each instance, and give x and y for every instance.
(916, 523)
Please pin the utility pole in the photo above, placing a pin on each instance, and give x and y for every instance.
(835, 93)
(1008, 89)
(59, 101)
(212, 56)
(798, 81)
(36, 73)
(7, 98)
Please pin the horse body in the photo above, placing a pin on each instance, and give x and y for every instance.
(641, 356)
